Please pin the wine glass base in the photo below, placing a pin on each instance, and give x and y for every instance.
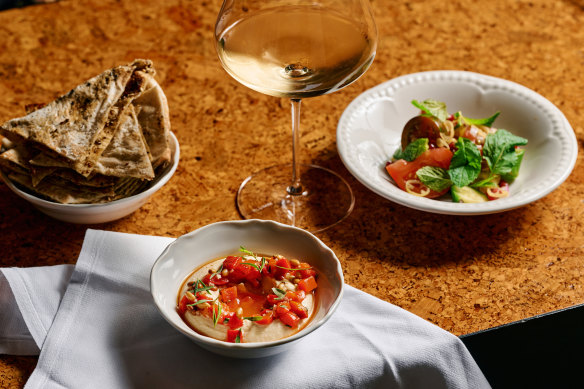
(326, 198)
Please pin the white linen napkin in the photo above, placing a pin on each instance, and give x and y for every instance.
(107, 333)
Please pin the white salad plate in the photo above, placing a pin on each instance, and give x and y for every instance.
(370, 128)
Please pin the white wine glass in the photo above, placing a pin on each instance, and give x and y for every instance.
(296, 49)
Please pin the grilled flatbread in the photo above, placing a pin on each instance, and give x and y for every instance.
(78, 126)
(104, 140)
(152, 111)
(62, 192)
(126, 155)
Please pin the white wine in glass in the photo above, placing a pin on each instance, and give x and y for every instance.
(296, 49)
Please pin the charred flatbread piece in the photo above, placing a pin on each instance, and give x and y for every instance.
(78, 126)
(127, 153)
(94, 144)
(62, 192)
(152, 111)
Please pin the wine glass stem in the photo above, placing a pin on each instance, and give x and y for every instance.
(295, 187)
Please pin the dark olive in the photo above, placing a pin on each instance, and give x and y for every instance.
(420, 127)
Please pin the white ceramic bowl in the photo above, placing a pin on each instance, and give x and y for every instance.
(223, 238)
(369, 132)
(101, 213)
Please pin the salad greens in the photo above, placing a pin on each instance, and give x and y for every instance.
(483, 158)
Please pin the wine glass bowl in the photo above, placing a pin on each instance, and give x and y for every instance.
(296, 49)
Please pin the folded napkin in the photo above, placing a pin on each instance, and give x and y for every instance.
(97, 327)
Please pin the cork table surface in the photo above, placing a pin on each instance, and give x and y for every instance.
(463, 274)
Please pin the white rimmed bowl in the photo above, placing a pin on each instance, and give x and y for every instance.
(369, 132)
(104, 212)
(220, 239)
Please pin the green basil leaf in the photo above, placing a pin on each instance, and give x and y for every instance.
(413, 150)
(465, 165)
(482, 122)
(434, 178)
(499, 151)
(433, 108)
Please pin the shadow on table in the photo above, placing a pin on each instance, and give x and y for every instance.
(391, 232)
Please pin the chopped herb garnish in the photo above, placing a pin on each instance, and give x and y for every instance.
(279, 292)
(246, 251)
(253, 318)
(196, 289)
(253, 265)
(262, 264)
(238, 337)
(217, 314)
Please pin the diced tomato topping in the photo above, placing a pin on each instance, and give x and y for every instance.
(219, 281)
(229, 294)
(290, 319)
(182, 305)
(207, 279)
(267, 317)
(253, 276)
(281, 308)
(233, 334)
(305, 270)
(273, 299)
(215, 279)
(230, 262)
(300, 310)
(307, 284)
(239, 273)
(235, 322)
(282, 267)
(300, 295)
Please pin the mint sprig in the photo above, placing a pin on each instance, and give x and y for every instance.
(434, 178)
(413, 150)
(432, 108)
(465, 165)
(499, 151)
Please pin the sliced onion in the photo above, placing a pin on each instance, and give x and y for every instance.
(412, 184)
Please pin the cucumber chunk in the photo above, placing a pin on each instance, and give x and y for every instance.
(466, 194)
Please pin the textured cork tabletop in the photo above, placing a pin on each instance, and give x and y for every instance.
(462, 273)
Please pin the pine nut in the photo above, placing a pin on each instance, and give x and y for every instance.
(204, 305)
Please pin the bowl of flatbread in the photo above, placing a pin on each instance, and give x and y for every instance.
(95, 154)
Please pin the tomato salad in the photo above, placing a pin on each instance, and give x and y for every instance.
(445, 153)
(241, 295)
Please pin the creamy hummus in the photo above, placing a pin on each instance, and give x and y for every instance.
(217, 327)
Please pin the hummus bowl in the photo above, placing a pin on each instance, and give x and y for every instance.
(221, 239)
